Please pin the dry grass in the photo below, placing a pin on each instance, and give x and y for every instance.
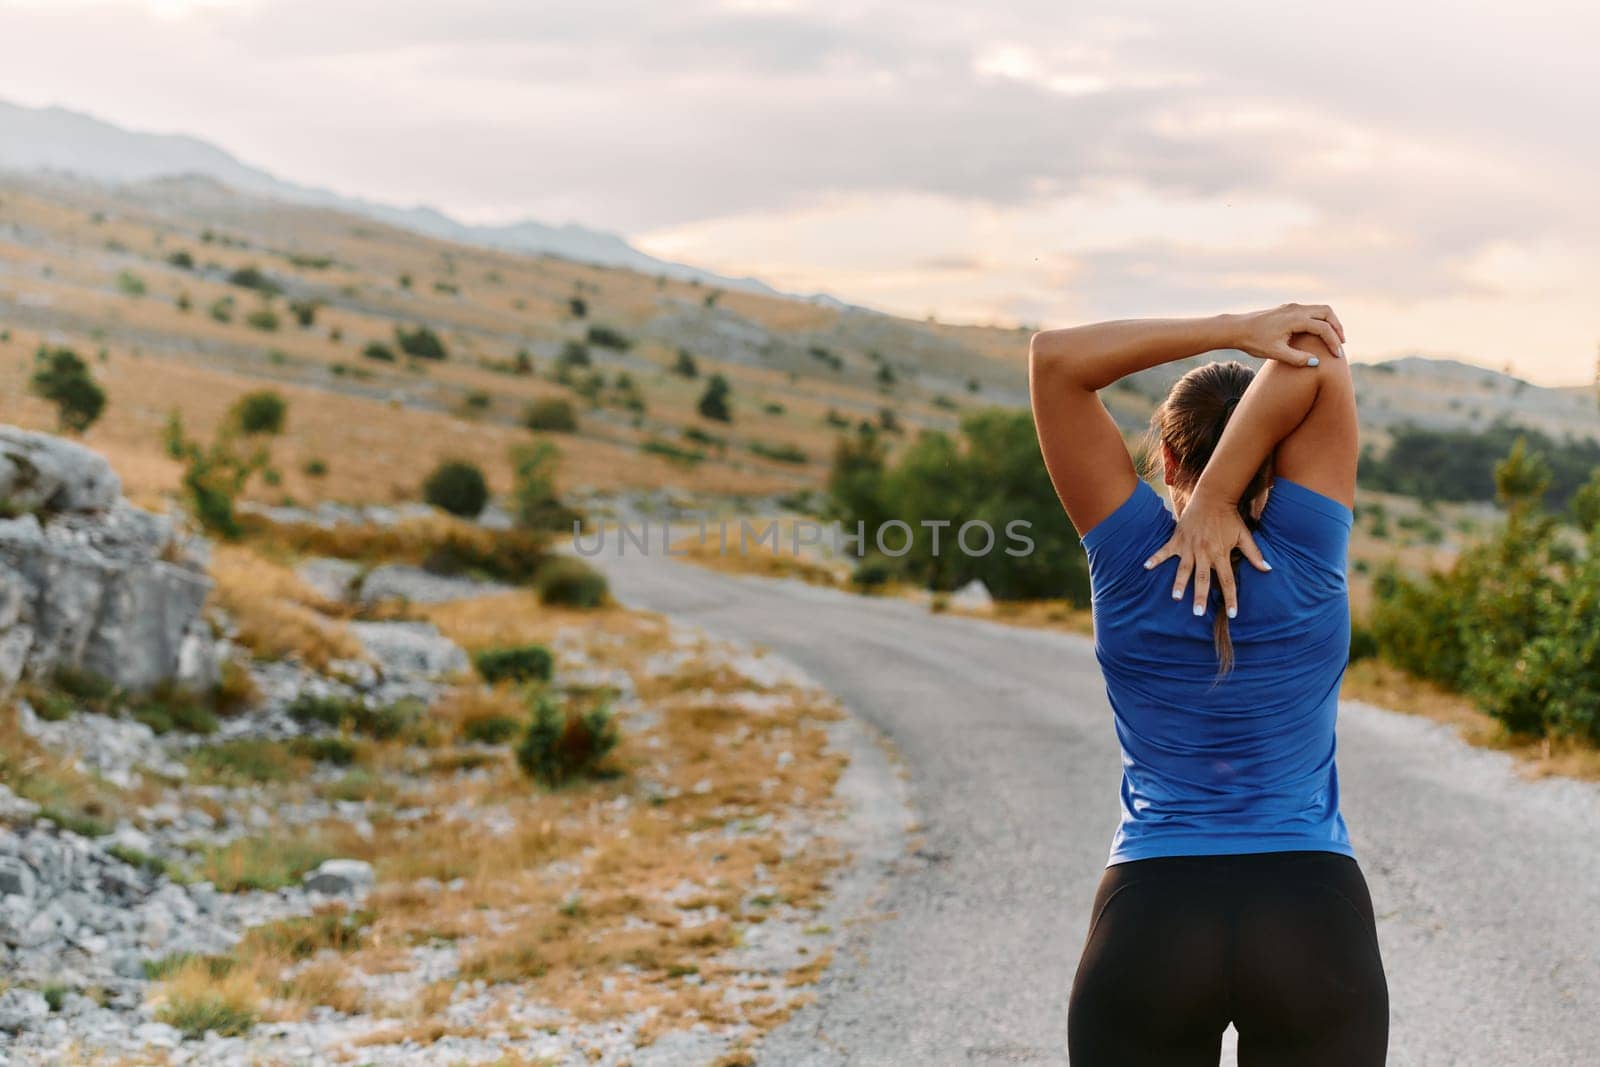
(1375, 682)
(558, 890)
(278, 616)
(758, 559)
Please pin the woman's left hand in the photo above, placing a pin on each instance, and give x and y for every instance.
(1208, 532)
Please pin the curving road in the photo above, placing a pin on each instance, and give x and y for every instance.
(1487, 887)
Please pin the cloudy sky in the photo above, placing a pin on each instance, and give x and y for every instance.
(1428, 168)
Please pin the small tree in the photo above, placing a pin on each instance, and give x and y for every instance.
(305, 312)
(215, 474)
(421, 342)
(561, 744)
(685, 367)
(578, 306)
(714, 401)
(64, 379)
(458, 487)
(536, 501)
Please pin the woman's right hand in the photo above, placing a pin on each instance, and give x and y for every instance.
(1266, 334)
(1207, 533)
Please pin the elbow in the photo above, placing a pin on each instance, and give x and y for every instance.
(1049, 357)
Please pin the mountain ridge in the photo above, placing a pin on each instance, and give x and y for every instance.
(54, 138)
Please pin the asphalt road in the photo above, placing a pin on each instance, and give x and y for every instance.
(1487, 886)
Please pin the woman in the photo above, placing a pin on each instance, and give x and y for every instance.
(1232, 894)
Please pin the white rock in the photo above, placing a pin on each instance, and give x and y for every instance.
(339, 877)
(16, 878)
(22, 1008)
(414, 648)
(973, 595)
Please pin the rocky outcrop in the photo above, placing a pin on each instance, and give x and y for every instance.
(87, 581)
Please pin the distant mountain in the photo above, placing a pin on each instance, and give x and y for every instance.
(55, 139)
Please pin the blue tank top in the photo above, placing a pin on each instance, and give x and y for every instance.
(1244, 764)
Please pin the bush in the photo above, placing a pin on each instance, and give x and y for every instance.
(560, 745)
(130, 284)
(263, 319)
(519, 663)
(570, 582)
(685, 366)
(379, 351)
(214, 475)
(873, 572)
(181, 259)
(536, 503)
(608, 337)
(1511, 624)
(458, 487)
(578, 306)
(552, 415)
(222, 310)
(780, 452)
(491, 730)
(990, 474)
(573, 354)
(667, 450)
(254, 278)
(64, 379)
(261, 412)
(304, 312)
(422, 343)
(714, 401)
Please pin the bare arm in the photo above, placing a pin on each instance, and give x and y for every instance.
(1084, 452)
(1309, 417)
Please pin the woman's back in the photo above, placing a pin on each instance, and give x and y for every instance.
(1243, 762)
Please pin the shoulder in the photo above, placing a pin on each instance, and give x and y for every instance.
(1308, 524)
(1121, 542)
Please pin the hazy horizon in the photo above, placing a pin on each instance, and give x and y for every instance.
(1022, 166)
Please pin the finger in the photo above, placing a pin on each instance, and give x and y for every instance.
(1181, 582)
(1287, 353)
(1337, 325)
(1166, 552)
(1230, 600)
(1249, 550)
(1329, 336)
(1202, 587)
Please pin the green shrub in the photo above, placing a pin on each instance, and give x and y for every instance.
(519, 663)
(130, 284)
(608, 337)
(304, 312)
(246, 759)
(578, 306)
(181, 259)
(64, 379)
(551, 415)
(254, 278)
(263, 319)
(1363, 645)
(458, 487)
(215, 474)
(536, 503)
(263, 411)
(684, 366)
(872, 573)
(334, 750)
(704, 437)
(379, 351)
(421, 343)
(714, 401)
(491, 730)
(560, 745)
(222, 309)
(573, 354)
(570, 582)
(316, 468)
(779, 452)
(666, 449)
(1512, 623)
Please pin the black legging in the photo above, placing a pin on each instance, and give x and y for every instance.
(1280, 944)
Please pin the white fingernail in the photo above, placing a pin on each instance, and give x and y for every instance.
(1177, 594)
(1232, 612)
(1149, 563)
(1199, 609)
(1312, 362)
(1265, 565)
